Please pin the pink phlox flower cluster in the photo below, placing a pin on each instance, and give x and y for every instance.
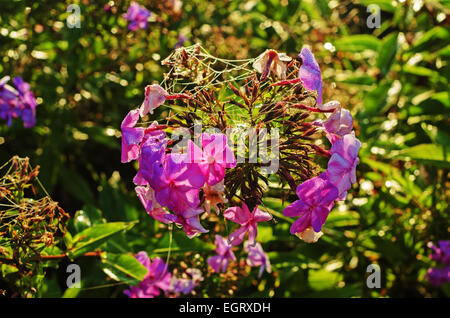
(168, 180)
(317, 195)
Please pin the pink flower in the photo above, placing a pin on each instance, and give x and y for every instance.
(152, 150)
(341, 169)
(340, 123)
(137, 16)
(131, 136)
(257, 257)
(189, 221)
(155, 96)
(177, 183)
(223, 249)
(147, 197)
(248, 221)
(157, 278)
(316, 198)
(310, 73)
(438, 276)
(215, 157)
(441, 253)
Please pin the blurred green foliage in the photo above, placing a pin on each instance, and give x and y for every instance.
(395, 80)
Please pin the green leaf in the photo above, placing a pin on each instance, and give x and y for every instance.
(420, 71)
(437, 35)
(93, 237)
(385, 5)
(376, 98)
(387, 52)
(322, 279)
(124, 268)
(357, 43)
(436, 134)
(438, 155)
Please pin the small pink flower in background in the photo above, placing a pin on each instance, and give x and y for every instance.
(438, 276)
(181, 286)
(186, 285)
(28, 102)
(310, 73)
(131, 136)
(441, 254)
(17, 103)
(257, 257)
(177, 184)
(341, 169)
(155, 96)
(9, 104)
(181, 39)
(248, 221)
(215, 157)
(225, 254)
(157, 279)
(316, 198)
(137, 16)
(271, 61)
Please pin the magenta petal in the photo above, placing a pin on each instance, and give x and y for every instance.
(318, 218)
(347, 147)
(195, 154)
(260, 216)
(317, 191)
(252, 233)
(222, 245)
(215, 173)
(236, 214)
(215, 262)
(130, 119)
(296, 208)
(310, 73)
(214, 144)
(237, 236)
(132, 136)
(338, 172)
(129, 152)
(161, 215)
(301, 223)
(195, 224)
(144, 198)
(143, 258)
(229, 160)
